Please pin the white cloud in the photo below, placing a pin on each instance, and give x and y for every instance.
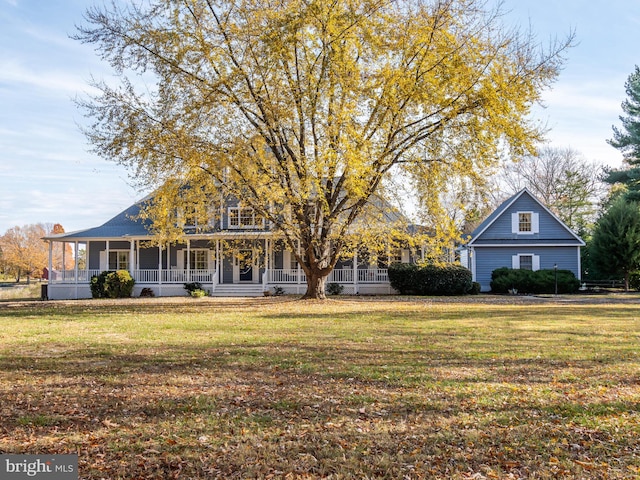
(47, 81)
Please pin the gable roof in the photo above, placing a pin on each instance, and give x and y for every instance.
(504, 206)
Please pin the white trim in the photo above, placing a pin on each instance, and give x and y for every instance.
(526, 245)
(579, 266)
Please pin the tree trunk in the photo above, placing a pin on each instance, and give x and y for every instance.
(315, 287)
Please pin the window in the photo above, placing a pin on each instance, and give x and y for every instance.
(198, 260)
(289, 260)
(526, 262)
(525, 223)
(118, 260)
(243, 217)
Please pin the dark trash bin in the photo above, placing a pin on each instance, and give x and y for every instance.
(44, 292)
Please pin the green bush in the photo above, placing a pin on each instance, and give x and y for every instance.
(198, 293)
(192, 287)
(634, 280)
(506, 279)
(334, 288)
(450, 279)
(118, 284)
(403, 277)
(97, 285)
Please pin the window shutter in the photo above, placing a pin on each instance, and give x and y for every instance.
(211, 261)
(515, 262)
(180, 258)
(535, 223)
(515, 223)
(535, 263)
(103, 261)
(406, 256)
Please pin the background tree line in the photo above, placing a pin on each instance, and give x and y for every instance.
(24, 253)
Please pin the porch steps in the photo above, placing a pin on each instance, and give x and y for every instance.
(238, 290)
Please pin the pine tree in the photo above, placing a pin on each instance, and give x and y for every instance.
(627, 139)
(615, 246)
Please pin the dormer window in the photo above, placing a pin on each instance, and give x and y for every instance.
(524, 223)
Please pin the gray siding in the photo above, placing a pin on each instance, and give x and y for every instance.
(94, 254)
(149, 258)
(487, 259)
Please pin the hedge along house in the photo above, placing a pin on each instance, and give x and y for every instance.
(521, 233)
(235, 255)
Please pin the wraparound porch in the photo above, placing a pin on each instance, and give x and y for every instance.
(224, 265)
(365, 281)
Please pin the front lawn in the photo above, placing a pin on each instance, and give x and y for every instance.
(487, 387)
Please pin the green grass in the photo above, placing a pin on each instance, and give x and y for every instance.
(349, 388)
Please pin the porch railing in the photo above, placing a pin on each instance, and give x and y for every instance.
(140, 276)
(273, 277)
(342, 275)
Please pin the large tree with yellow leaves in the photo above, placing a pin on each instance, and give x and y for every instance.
(304, 108)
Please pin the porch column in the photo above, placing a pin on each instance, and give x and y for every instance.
(86, 258)
(299, 272)
(188, 260)
(50, 276)
(75, 260)
(159, 270)
(218, 260)
(355, 272)
(64, 260)
(75, 266)
(132, 267)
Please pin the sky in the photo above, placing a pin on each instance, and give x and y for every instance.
(49, 175)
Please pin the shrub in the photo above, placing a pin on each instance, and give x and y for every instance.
(192, 287)
(118, 284)
(527, 281)
(147, 292)
(334, 289)
(402, 277)
(448, 279)
(198, 293)
(634, 280)
(97, 285)
(475, 288)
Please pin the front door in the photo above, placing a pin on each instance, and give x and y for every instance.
(245, 265)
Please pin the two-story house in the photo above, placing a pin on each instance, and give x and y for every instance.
(237, 255)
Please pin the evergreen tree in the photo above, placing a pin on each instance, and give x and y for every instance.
(615, 246)
(627, 139)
